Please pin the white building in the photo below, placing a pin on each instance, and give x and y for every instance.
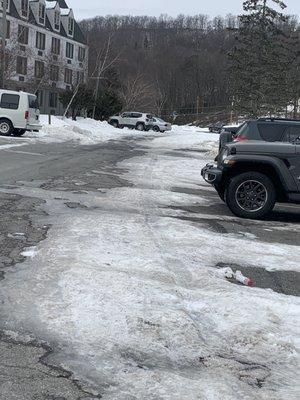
(46, 50)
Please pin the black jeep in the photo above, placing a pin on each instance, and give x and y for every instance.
(251, 176)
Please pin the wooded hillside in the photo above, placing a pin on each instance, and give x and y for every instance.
(166, 64)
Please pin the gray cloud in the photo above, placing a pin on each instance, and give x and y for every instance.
(156, 7)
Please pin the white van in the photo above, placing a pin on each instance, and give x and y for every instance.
(19, 112)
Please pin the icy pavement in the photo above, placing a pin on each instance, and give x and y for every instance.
(129, 297)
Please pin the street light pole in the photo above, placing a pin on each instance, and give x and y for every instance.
(3, 41)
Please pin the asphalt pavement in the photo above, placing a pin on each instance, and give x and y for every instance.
(25, 372)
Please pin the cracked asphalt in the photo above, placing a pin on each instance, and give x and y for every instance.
(25, 373)
(25, 370)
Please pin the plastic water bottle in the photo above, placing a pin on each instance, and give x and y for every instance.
(243, 279)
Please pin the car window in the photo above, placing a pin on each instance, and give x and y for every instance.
(10, 101)
(292, 134)
(248, 131)
(33, 103)
(271, 132)
(126, 115)
(136, 115)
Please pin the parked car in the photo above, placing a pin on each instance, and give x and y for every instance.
(159, 125)
(269, 129)
(227, 135)
(19, 112)
(233, 129)
(251, 176)
(133, 120)
(216, 127)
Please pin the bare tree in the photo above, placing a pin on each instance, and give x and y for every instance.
(137, 93)
(105, 60)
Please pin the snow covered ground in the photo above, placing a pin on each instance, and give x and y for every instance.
(129, 295)
(87, 131)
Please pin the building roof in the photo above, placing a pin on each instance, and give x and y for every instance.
(62, 3)
(78, 34)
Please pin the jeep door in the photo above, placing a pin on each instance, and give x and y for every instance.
(125, 119)
(292, 135)
(134, 118)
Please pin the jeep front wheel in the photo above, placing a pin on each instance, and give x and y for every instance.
(250, 195)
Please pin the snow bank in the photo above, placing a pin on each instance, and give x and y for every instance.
(87, 131)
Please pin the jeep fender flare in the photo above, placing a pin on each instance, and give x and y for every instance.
(276, 164)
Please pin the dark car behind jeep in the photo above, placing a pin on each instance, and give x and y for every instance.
(251, 176)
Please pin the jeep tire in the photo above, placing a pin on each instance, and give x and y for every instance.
(250, 195)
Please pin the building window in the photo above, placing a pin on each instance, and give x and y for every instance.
(21, 65)
(56, 20)
(7, 29)
(40, 97)
(23, 32)
(24, 8)
(54, 73)
(68, 76)
(42, 13)
(55, 48)
(71, 26)
(79, 77)
(69, 50)
(53, 99)
(7, 8)
(39, 69)
(81, 54)
(40, 41)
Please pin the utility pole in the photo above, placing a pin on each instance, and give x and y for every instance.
(197, 106)
(3, 41)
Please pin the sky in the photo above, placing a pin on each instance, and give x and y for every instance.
(91, 8)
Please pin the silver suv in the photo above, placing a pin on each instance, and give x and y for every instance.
(133, 120)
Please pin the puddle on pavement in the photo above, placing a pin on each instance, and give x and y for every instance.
(285, 282)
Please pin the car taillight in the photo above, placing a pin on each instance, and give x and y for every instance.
(26, 114)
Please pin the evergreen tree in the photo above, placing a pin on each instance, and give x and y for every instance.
(83, 99)
(261, 60)
(108, 104)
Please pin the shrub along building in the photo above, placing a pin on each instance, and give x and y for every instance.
(46, 51)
